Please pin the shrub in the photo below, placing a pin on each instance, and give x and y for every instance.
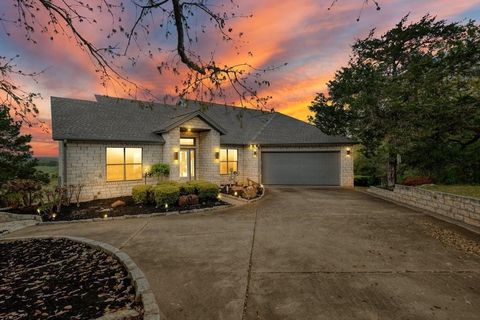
(204, 189)
(160, 170)
(166, 194)
(28, 189)
(187, 188)
(417, 181)
(168, 183)
(142, 194)
(366, 181)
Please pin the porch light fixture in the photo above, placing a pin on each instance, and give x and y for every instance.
(217, 155)
(175, 156)
(189, 129)
(349, 152)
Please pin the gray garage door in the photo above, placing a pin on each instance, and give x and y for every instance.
(301, 168)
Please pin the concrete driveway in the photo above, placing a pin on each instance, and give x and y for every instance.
(300, 253)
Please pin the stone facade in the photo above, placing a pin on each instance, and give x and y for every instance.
(464, 209)
(346, 161)
(86, 161)
(86, 165)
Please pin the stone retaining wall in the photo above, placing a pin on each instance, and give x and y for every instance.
(456, 207)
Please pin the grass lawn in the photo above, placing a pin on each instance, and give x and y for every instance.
(50, 170)
(462, 190)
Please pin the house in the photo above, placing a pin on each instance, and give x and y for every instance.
(108, 144)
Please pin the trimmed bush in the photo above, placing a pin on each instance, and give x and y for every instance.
(166, 194)
(204, 189)
(417, 181)
(187, 188)
(169, 183)
(160, 170)
(142, 194)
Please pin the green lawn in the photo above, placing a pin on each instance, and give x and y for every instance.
(50, 170)
(462, 190)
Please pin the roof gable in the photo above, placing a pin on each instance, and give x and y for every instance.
(116, 119)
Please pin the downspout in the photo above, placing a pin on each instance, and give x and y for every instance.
(64, 159)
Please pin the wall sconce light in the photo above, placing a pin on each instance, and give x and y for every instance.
(175, 156)
(217, 155)
(349, 152)
(255, 153)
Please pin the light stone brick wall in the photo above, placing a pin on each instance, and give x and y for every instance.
(346, 161)
(248, 164)
(86, 164)
(456, 207)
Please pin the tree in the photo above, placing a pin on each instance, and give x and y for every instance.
(413, 92)
(16, 161)
(204, 76)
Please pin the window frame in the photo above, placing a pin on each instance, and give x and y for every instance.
(188, 145)
(228, 161)
(124, 164)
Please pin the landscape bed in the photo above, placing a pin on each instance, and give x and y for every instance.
(101, 208)
(63, 279)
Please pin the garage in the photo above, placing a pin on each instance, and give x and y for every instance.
(301, 168)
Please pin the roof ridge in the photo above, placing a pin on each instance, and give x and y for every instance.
(264, 126)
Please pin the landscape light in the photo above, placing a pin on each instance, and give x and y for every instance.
(236, 193)
(54, 215)
(166, 205)
(105, 216)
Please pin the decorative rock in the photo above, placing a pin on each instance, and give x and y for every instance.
(250, 192)
(118, 203)
(188, 200)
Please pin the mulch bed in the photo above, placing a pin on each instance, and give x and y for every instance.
(61, 279)
(98, 208)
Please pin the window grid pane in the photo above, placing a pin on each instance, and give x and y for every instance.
(133, 155)
(115, 156)
(115, 172)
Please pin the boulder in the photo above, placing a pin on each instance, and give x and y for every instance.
(250, 192)
(188, 200)
(118, 203)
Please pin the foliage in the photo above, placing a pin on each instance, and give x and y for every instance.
(462, 190)
(169, 183)
(415, 92)
(142, 194)
(16, 161)
(364, 181)
(187, 188)
(166, 194)
(417, 181)
(160, 170)
(26, 189)
(204, 189)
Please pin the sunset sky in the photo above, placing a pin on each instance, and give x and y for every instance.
(313, 41)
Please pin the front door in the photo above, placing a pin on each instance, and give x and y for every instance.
(187, 163)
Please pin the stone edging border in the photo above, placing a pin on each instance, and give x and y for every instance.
(230, 197)
(140, 282)
(17, 216)
(139, 216)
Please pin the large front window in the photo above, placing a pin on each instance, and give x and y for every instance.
(228, 161)
(124, 164)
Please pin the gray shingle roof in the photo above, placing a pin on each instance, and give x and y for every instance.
(115, 119)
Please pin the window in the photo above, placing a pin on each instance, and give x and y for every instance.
(187, 141)
(228, 161)
(124, 164)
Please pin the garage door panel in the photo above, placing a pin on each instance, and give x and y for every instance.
(301, 168)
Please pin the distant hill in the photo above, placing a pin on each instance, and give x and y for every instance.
(47, 161)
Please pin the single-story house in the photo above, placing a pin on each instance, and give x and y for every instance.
(108, 144)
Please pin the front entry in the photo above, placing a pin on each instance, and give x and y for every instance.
(186, 159)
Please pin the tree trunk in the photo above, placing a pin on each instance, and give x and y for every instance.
(392, 170)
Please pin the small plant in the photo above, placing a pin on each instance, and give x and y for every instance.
(28, 190)
(142, 194)
(166, 194)
(160, 170)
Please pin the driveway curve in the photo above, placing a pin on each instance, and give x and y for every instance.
(299, 253)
